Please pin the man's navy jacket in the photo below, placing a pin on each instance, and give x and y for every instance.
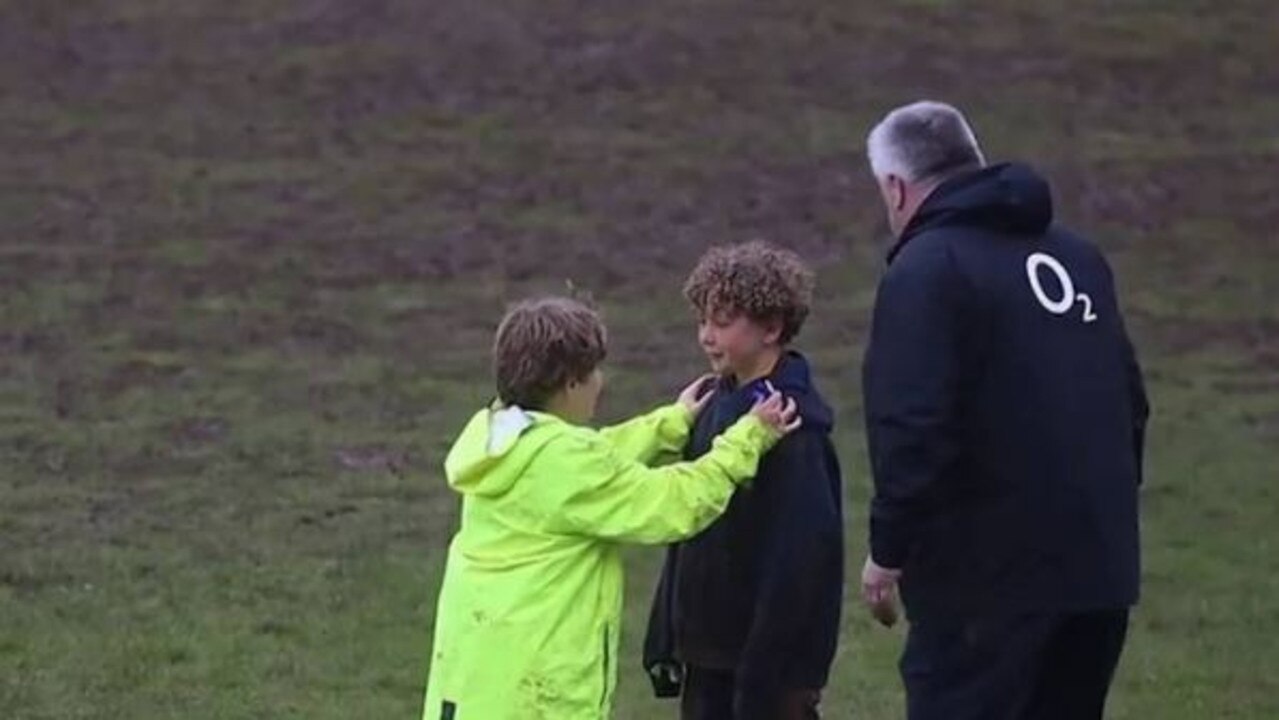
(1005, 409)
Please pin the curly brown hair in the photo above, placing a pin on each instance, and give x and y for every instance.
(757, 279)
(544, 344)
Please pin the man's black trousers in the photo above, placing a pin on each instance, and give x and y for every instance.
(1027, 667)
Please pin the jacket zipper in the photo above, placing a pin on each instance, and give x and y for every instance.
(604, 688)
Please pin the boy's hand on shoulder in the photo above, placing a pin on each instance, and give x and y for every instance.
(698, 394)
(778, 412)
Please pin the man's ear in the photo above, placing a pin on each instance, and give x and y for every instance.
(897, 192)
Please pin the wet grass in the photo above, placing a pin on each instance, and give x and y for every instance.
(252, 252)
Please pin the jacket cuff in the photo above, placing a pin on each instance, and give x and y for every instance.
(755, 432)
(888, 547)
(667, 678)
(679, 412)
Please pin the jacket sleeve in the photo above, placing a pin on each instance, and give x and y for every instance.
(664, 670)
(911, 387)
(616, 498)
(795, 627)
(1140, 408)
(654, 436)
(1137, 398)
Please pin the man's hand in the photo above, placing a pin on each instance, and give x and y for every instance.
(698, 394)
(879, 591)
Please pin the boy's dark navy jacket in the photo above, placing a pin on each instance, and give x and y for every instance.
(759, 593)
(1005, 409)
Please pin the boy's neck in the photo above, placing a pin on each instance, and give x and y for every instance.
(559, 406)
(762, 367)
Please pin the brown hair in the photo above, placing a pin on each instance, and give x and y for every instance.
(757, 279)
(541, 346)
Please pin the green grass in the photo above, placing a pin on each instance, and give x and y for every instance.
(252, 253)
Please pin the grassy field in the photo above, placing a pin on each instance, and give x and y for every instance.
(252, 252)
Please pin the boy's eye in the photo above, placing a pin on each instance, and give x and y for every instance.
(718, 320)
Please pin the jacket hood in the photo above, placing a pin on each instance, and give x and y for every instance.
(1008, 198)
(494, 449)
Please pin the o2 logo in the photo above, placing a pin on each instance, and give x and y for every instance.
(1068, 299)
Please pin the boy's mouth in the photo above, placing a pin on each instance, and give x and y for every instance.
(718, 361)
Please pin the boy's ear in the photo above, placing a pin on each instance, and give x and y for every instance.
(773, 331)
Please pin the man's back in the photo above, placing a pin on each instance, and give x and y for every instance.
(1007, 455)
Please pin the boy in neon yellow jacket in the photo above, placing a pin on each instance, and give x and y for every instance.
(528, 614)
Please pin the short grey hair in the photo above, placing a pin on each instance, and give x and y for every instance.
(923, 141)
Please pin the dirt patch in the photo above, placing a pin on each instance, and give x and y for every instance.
(371, 459)
(1257, 339)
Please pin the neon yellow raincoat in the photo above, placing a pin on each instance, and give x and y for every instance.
(527, 622)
